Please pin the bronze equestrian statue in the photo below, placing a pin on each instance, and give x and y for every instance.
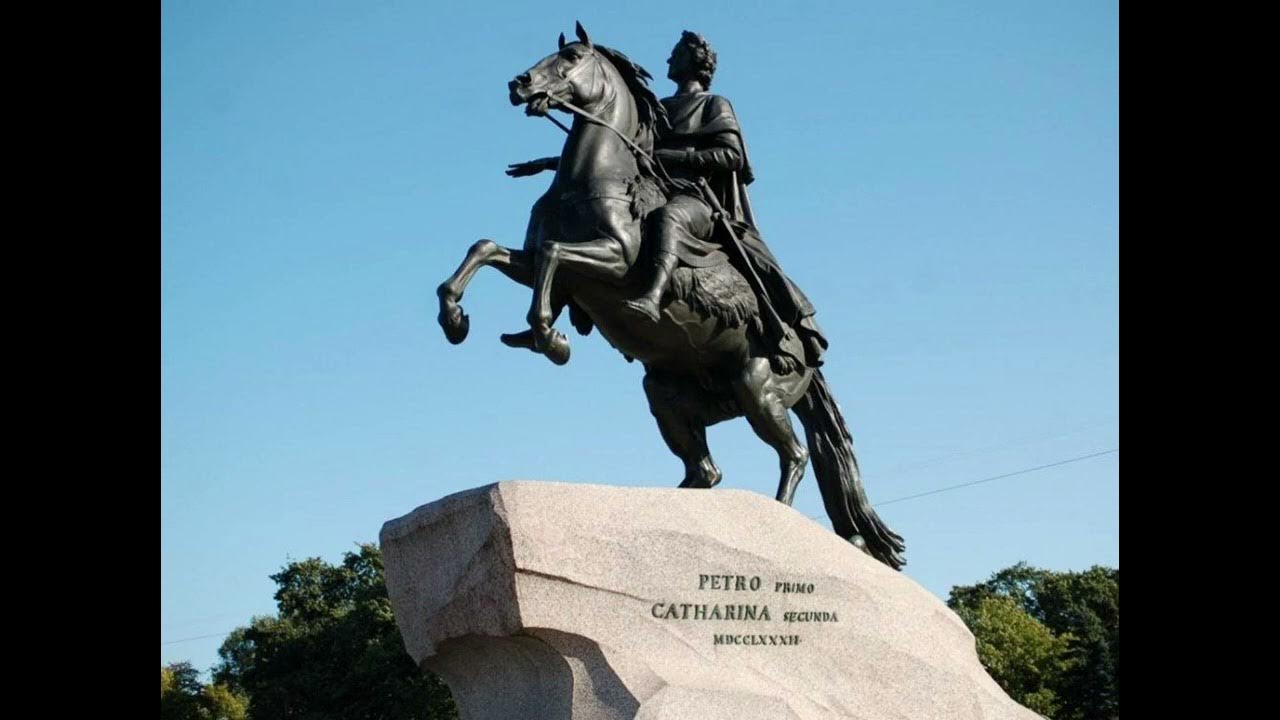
(646, 234)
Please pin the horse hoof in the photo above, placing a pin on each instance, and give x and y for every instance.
(523, 339)
(557, 348)
(456, 324)
(703, 478)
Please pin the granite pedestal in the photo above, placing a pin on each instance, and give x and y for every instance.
(551, 601)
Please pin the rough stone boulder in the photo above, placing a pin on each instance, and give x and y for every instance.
(550, 601)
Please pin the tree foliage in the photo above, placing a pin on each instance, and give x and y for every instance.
(184, 697)
(1022, 655)
(332, 652)
(1052, 640)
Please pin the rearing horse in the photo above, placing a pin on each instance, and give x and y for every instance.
(705, 360)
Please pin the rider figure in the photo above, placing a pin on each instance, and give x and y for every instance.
(704, 142)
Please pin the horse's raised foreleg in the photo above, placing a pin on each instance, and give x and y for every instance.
(515, 264)
(600, 259)
(764, 398)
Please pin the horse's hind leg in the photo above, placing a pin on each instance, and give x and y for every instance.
(764, 398)
(681, 411)
(515, 264)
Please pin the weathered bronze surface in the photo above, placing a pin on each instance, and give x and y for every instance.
(647, 235)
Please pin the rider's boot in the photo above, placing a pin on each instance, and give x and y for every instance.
(647, 305)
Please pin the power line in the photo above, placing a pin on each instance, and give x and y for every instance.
(1017, 442)
(971, 483)
(999, 477)
(198, 637)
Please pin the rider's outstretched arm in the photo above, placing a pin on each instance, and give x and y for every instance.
(533, 167)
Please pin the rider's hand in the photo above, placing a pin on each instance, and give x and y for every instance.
(524, 169)
(672, 157)
(533, 167)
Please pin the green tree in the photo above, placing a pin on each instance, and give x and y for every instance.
(222, 703)
(1080, 610)
(333, 652)
(184, 697)
(1086, 605)
(1022, 655)
(180, 689)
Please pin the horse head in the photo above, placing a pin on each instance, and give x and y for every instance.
(574, 73)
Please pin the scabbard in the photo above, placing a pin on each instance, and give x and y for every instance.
(773, 322)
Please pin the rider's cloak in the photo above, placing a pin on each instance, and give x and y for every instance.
(707, 125)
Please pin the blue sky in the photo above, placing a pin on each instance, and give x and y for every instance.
(941, 178)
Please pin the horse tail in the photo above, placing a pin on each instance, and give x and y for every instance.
(834, 464)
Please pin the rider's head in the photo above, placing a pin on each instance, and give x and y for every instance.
(693, 59)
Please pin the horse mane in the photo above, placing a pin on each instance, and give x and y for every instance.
(652, 113)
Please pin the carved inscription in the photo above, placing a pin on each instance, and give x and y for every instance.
(755, 609)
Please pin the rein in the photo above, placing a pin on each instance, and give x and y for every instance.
(659, 171)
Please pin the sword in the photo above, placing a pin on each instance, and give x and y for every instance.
(779, 328)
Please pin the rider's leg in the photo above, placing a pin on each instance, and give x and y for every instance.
(683, 214)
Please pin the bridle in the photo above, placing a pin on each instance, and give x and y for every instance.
(554, 100)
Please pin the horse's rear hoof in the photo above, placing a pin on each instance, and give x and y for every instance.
(705, 477)
(456, 324)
